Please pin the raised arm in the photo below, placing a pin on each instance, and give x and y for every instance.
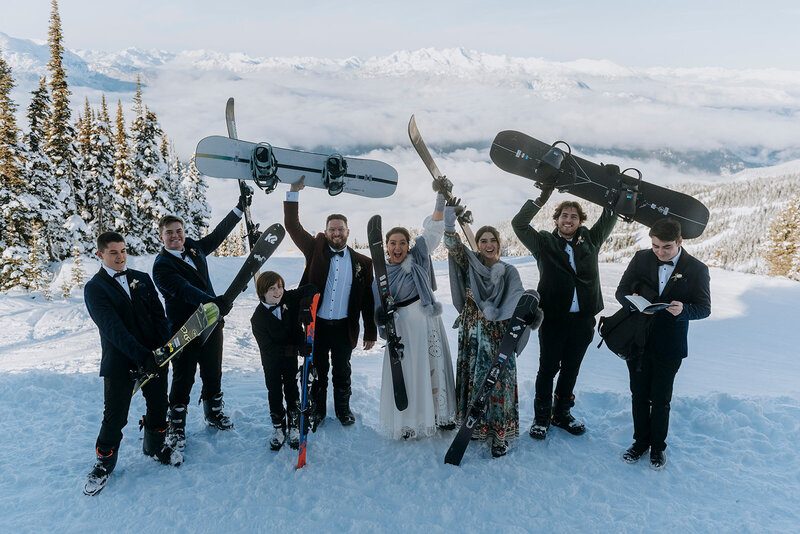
(521, 223)
(291, 220)
(603, 227)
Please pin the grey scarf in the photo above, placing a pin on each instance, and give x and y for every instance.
(496, 290)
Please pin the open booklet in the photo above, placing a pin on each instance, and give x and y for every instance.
(644, 305)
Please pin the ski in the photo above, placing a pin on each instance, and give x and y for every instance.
(416, 140)
(205, 316)
(375, 239)
(523, 317)
(267, 244)
(244, 189)
(305, 407)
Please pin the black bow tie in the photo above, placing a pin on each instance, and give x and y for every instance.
(121, 273)
(184, 254)
(273, 307)
(337, 253)
(668, 262)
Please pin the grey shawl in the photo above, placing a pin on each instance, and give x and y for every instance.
(495, 290)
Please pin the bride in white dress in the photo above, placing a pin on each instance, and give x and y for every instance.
(427, 365)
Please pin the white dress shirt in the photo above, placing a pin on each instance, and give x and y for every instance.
(574, 308)
(121, 280)
(666, 270)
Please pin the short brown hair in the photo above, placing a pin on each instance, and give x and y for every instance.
(105, 238)
(666, 229)
(569, 204)
(167, 220)
(491, 229)
(266, 280)
(335, 216)
(398, 230)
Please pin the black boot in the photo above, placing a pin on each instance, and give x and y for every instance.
(542, 409)
(563, 419)
(319, 408)
(215, 417)
(499, 447)
(293, 419)
(155, 446)
(176, 430)
(634, 452)
(103, 466)
(341, 403)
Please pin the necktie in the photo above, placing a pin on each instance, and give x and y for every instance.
(121, 273)
(668, 262)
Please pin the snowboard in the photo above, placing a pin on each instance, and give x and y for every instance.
(424, 153)
(244, 189)
(305, 407)
(394, 342)
(628, 196)
(523, 316)
(222, 157)
(204, 317)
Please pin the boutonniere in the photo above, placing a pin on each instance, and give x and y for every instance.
(675, 277)
(133, 284)
(193, 252)
(579, 240)
(284, 307)
(358, 268)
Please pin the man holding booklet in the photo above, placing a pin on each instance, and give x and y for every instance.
(679, 284)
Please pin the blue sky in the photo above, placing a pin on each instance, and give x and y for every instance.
(633, 33)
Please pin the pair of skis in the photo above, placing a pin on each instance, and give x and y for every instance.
(206, 317)
(305, 407)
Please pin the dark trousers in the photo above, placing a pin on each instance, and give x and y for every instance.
(331, 337)
(562, 345)
(184, 366)
(117, 402)
(280, 375)
(651, 389)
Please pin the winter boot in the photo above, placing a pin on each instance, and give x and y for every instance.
(176, 431)
(634, 452)
(499, 447)
(542, 409)
(658, 460)
(278, 437)
(341, 404)
(155, 446)
(103, 466)
(319, 409)
(294, 429)
(215, 417)
(563, 419)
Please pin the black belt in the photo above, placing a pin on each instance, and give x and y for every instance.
(331, 322)
(405, 303)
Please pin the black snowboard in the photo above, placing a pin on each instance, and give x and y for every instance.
(521, 154)
(524, 315)
(375, 238)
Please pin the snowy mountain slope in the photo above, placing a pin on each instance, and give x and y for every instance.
(732, 462)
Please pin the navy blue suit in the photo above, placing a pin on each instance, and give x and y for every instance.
(184, 288)
(653, 374)
(130, 328)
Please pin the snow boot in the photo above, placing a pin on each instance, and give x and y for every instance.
(563, 419)
(542, 409)
(103, 466)
(278, 437)
(499, 447)
(215, 417)
(634, 452)
(176, 430)
(319, 409)
(341, 403)
(294, 429)
(155, 446)
(658, 460)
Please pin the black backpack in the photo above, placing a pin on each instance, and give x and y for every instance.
(625, 333)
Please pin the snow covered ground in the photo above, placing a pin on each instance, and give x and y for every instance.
(732, 458)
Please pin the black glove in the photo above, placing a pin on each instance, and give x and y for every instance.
(382, 316)
(544, 196)
(148, 366)
(245, 199)
(442, 185)
(305, 311)
(223, 305)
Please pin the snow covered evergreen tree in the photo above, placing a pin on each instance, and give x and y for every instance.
(782, 248)
(150, 170)
(37, 274)
(126, 207)
(15, 210)
(198, 210)
(99, 173)
(60, 148)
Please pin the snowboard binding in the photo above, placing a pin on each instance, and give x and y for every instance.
(549, 166)
(333, 174)
(264, 167)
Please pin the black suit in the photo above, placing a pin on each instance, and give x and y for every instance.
(130, 328)
(279, 341)
(184, 288)
(653, 374)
